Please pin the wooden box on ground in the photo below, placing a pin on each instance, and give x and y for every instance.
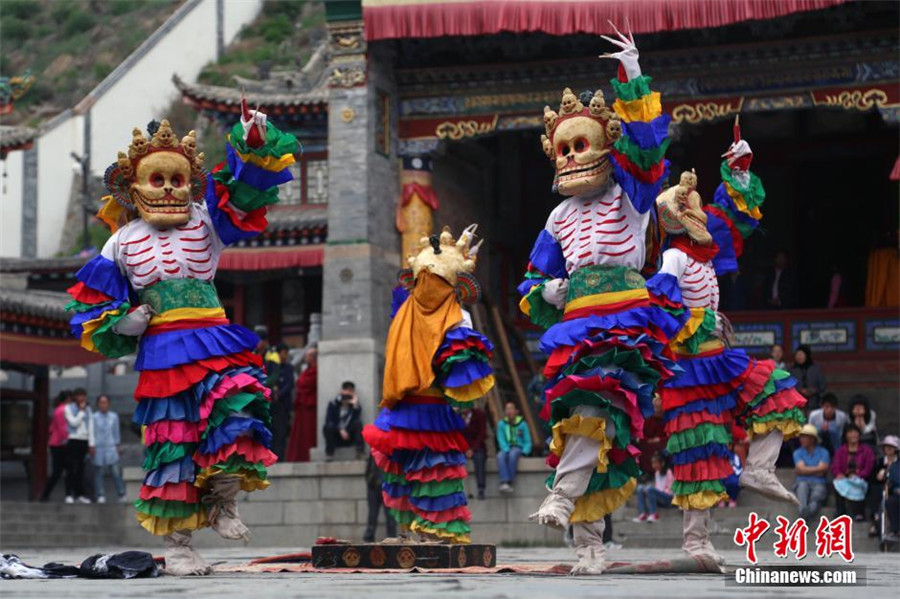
(385, 556)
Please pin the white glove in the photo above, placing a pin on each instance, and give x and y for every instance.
(135, 322)
(555, 292)
(628, 56)
(724, 331)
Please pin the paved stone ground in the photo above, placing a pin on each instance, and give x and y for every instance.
(883, 573)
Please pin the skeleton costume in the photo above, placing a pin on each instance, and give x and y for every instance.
(434, 360)
(606, 339)
(718, 386)
(202, 405)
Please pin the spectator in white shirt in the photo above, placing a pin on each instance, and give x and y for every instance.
(81, 438)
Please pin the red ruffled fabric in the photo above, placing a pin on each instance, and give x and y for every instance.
(254, 221)
(396, 503)
(168, 382)
(251, 450)
(674, 398)
(782, 401)
(612, 390)
(561, 355)
(184, 491)
(712, 468)
(650, 175)
(754, 381)
(460, 512)
(86, 295)
(436, 473)
(441, 442)
(690, 420)
(173, 431)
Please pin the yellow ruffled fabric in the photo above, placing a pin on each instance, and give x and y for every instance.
(176, 314)
(249, 481)
(690, 327)
(164, 526)
(789, 428)
(701, 500)
(90, 327)
(439, 532)
(740, 203)
(643, 109)
(604, 299)
(593, 507)
(472, 391)
(592, 427)
(269, 163)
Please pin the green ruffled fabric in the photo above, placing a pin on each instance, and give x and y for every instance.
(703, 333)
(437, 488)
(631, 90)
(457, 527)
(754, 194)
(110, 343)
(243, 196)
(166, 509)
(616, 475)
(467, 354)
(795, 414)
(76, 306)
(688, 487)
(644, 158)
(542, 314)
(702, 434)
(163, 453)
(629, 360)
(768, 389)
(397, 479)
(562, 407)
(403, 518)
(237, 463)
(255, 403)
(277, 143)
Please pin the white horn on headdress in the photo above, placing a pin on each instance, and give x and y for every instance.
(473, 251)
(466, 237)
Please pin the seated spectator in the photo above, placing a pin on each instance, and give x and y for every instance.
(829, 422)
(514, 440)
(343, 423)
(659, 494)
(851, 468)
(889, 477)
(809, 377)
(879, 489)
(475, 434)
(811, 465)
(777, 356)
(864, 418)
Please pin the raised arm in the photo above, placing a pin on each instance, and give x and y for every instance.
(639, 163)
(240, 189)
(734, 212)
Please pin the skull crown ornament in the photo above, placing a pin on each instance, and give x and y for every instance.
(158, 178)
(680, 210)
(578, 140)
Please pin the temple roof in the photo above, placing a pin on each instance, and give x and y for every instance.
(49, 305)
(16, 138)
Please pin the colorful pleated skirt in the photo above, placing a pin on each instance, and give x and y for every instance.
(203, 407)
(717, 389)
(609, 351)
(419, 446)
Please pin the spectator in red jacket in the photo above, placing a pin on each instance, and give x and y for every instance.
(851, 467)
(59, 435)
(475, 434)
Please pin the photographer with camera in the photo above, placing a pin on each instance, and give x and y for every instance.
(343, 422)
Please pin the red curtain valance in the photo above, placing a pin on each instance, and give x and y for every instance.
(44, 351)
(270, 258)
(391, 19)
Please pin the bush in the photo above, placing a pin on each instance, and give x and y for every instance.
(79, 22)
(101, 70)
(14, 29)
(62, 10)
(291, 10)
(20, 9)
(120, 7)
(277, 28)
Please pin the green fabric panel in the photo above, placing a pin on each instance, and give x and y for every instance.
(436, 488)
(562, 407)
(390, 477)
(163, 453)
(754, 194)
(629, 360)
(643, 158)
(237, 463)
(76, 306)
(795, 414)
(462, 356)
(768, 389)
(596, 279)
(403, 518)
(180, 293)
(702, 434)
(688, 487)
(616, 475)
(166, 509)
(542, 314)
(743, 228)
(703, 333)
(255, 403)
(457, 527)
(277, 142)
(110, 343)
(631, 90)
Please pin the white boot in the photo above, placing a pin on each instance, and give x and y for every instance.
(573, 474)
(181, 558)
(696, 536)
(759, 474)
(588, 538)
(221, 508)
